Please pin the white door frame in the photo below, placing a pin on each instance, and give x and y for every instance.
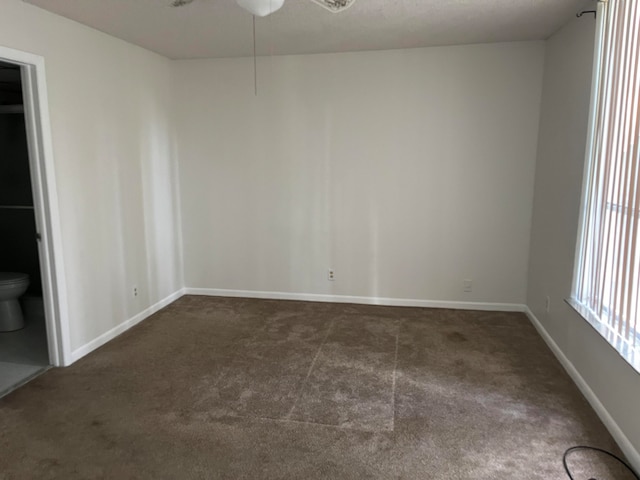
(45, 197)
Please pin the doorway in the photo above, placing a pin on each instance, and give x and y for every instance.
(29, 224)
(24, 352)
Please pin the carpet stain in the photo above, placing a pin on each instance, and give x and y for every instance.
(456, 337)
(49, 463)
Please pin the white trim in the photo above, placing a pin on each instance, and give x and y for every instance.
(124, 326)
(36, 110)
(390, 302)
(614, 429)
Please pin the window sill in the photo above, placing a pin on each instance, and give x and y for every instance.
(629, 354)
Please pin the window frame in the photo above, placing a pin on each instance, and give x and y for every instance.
(630, 354)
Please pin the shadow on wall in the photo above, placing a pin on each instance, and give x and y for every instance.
(19, 249)
(160, 193)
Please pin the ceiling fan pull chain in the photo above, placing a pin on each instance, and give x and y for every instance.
(255, 58)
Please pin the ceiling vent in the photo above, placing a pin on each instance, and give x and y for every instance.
(335, 6)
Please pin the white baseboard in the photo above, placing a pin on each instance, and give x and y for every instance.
(389, 302)
(124, 326)
(309, 297)
(616, 432)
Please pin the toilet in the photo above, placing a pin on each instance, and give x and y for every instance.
(12, 285)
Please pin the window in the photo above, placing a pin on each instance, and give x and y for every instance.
(607, 277)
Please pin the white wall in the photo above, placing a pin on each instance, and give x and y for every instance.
(113, 144)
(559, 173)
(405, 171)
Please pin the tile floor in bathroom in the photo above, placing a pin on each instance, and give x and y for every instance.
(24, 353)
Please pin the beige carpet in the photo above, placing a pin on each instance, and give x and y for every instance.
(217, 388)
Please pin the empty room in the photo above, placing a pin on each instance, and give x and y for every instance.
(319, 239)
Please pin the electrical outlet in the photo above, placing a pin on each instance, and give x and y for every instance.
(135, 291)
(331, 275)
(547, 305)
(467, 285)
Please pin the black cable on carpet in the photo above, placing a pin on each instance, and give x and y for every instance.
(595, 449)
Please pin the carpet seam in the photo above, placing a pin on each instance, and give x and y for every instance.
(311, 367)
(305, 422)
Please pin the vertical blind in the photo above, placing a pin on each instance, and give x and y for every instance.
(607, 280)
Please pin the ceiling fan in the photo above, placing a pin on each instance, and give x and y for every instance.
(262, 8)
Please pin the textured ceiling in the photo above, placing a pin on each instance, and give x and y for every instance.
(219, 28)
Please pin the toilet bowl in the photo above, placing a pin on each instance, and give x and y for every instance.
(12, 285)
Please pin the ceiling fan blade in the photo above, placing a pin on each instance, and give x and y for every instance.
(180, 3)
(335, 6)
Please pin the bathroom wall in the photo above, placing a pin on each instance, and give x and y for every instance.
(18, 249)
